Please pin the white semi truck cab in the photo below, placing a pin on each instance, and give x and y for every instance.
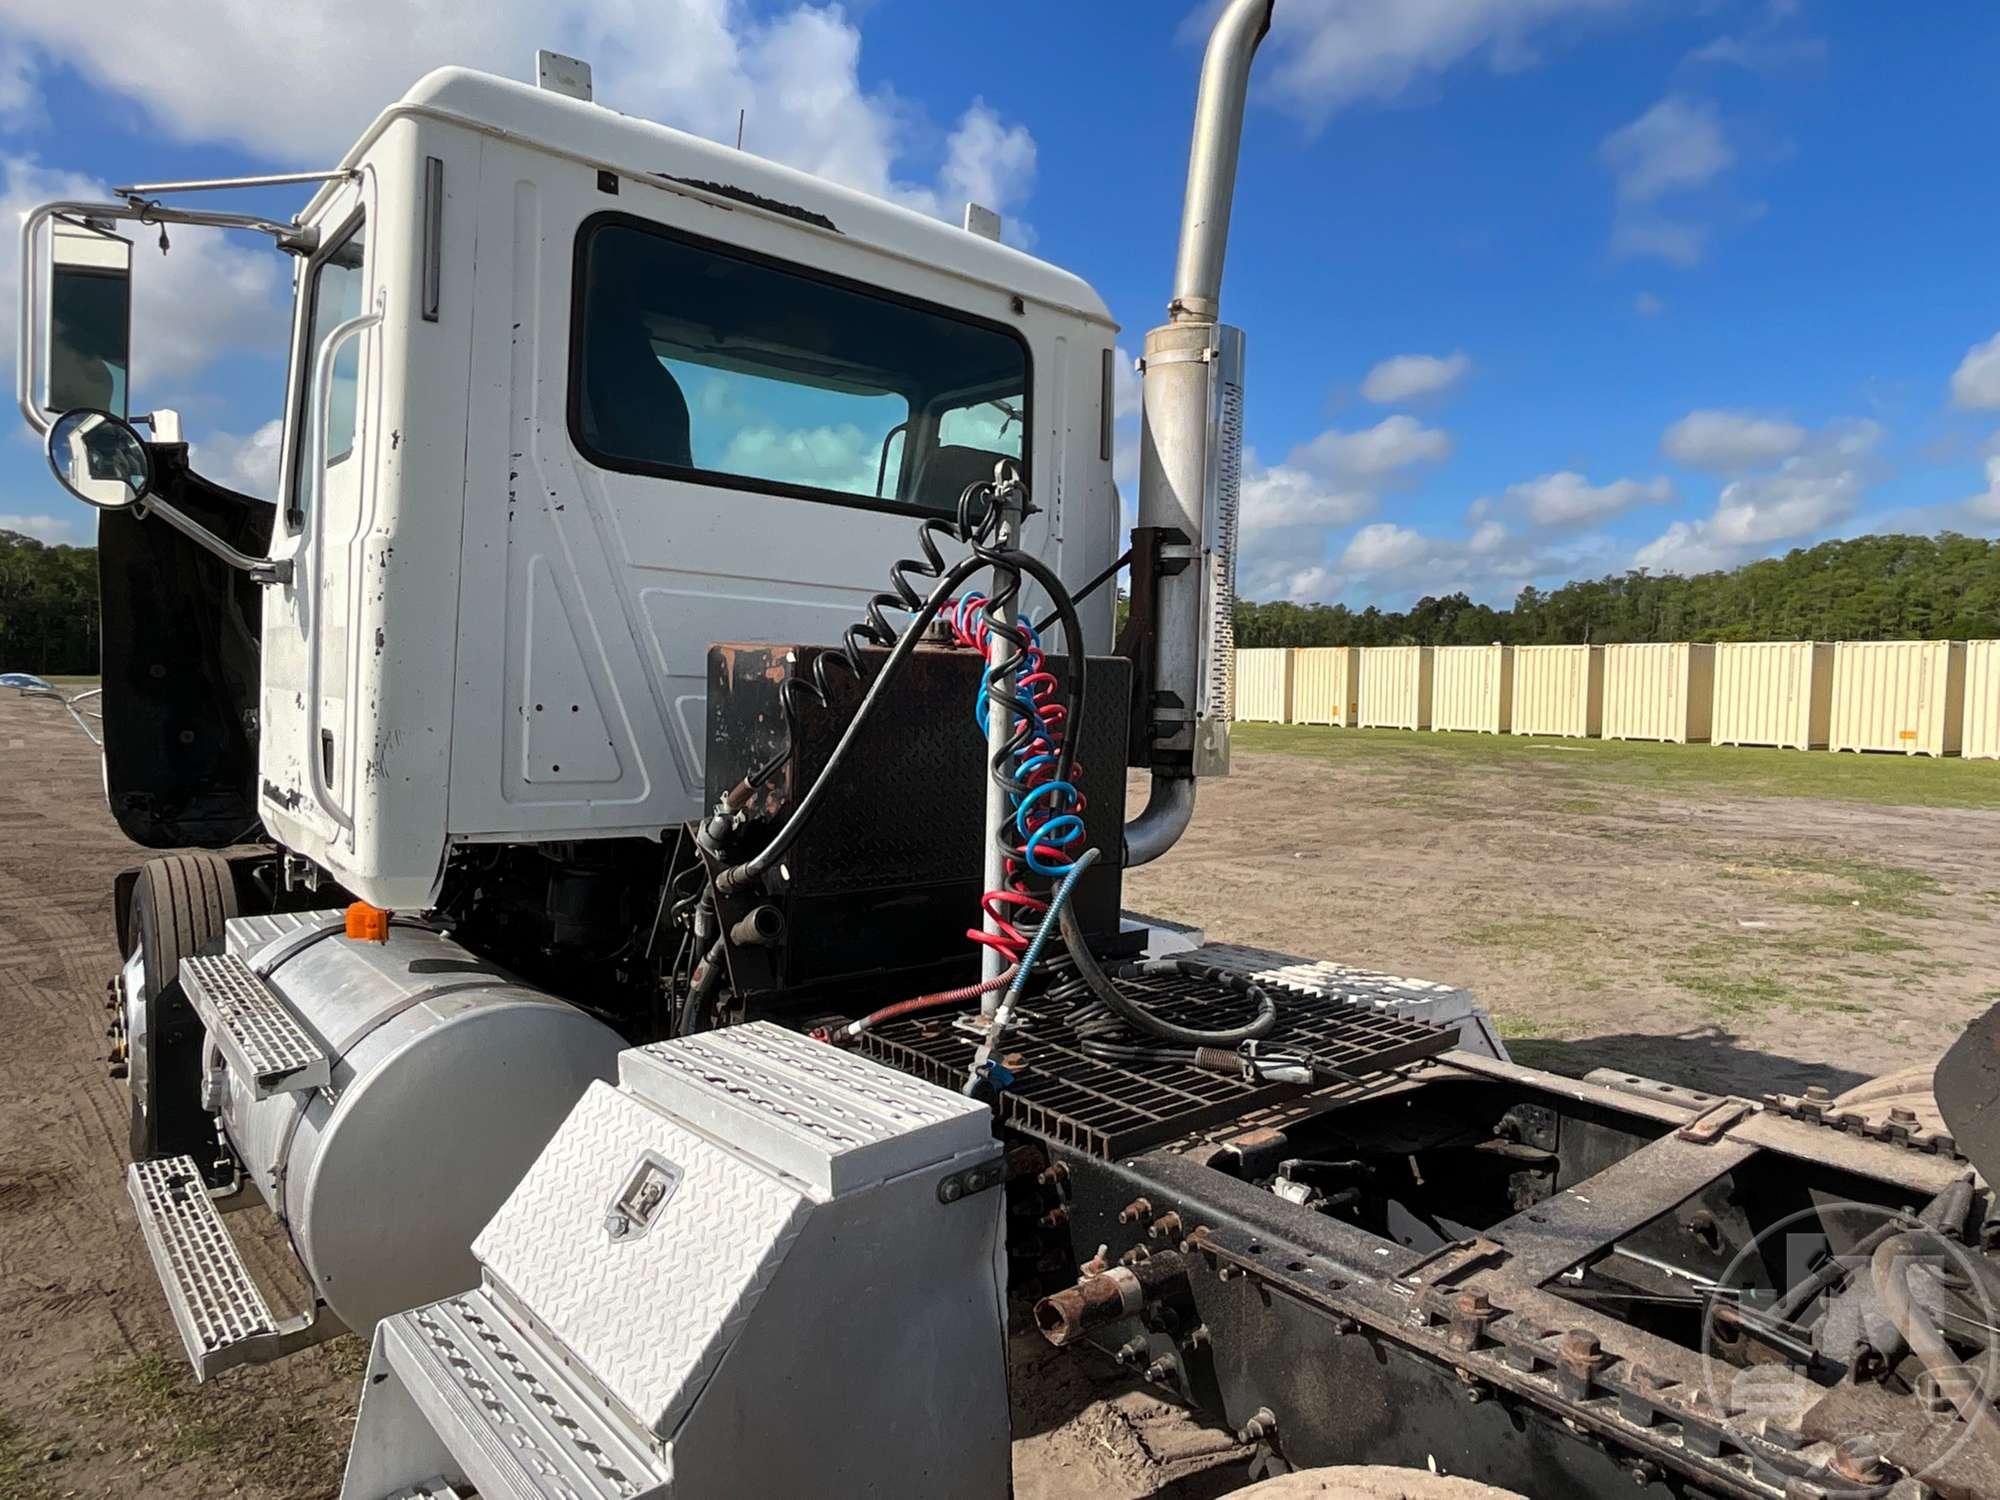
(572, 395)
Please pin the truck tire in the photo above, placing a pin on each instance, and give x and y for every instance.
(179, 904)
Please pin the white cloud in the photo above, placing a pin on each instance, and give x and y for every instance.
(1287, 496)
(1568, 499)
(1986, 505)
(1408, 377)
(1373, 453)
(1675, 146)
(18, 95)
(1652, 237)
(1385, 561)
(1763, 46)
(62, 529)
(1290, 509)
(1726, 441)
(1975, 384)
(1125, 384)
(1811, 491)
(1384, 547)
(298, 83)
(211, 294)
(249, 464)
(1330, 54)
(1646, 305)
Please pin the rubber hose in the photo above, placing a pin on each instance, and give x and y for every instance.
(694, 1009)
(1962, 1385)
(1135, 1015)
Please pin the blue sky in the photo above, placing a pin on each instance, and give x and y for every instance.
(1534, 288)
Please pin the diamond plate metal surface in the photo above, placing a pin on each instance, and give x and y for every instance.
(648, 1317)
(531, 1433)
(255, 1029)
(221, 1315)
(830, 1118)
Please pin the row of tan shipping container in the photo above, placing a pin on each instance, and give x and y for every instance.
(1918, 697)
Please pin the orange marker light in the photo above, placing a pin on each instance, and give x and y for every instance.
(367, 924)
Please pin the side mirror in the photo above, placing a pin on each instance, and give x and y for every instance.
(90, 317)
(100, 459)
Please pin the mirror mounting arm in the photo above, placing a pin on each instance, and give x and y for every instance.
(264, 570)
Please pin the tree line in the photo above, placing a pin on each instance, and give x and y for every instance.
(1945, 587)
(48, 607)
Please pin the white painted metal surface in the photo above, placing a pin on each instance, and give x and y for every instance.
(1325, 682)
(750, 1269)
(1472, 689)
(1773, 693)
(1264, 685)
(1906, 696)
(510, 641)
(1559, 690)
(1395, 687)
(1413, 999)
(1661, 690)
(1982, 700)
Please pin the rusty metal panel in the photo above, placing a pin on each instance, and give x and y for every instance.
(1773, 693)
(1395, 687)
(1264, 685)
(1659, 691)
(1906, 696)
(1559, 690)
(1472, 688)
(1982, 700)
(1326, 681)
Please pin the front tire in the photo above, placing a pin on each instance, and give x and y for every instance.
(179, 904)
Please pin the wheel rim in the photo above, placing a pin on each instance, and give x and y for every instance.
(133, 1009)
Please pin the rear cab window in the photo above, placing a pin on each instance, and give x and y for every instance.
(698, 362)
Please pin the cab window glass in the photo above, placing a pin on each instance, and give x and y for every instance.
(706, 364)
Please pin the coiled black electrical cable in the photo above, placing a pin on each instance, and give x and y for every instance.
(875, 628)
(737, 877)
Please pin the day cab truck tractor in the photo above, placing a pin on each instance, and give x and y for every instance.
(647, 805)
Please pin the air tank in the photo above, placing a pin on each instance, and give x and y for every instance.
(448, 1078)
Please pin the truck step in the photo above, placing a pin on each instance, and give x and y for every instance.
(256, 1030)
(512, 1423)
(222, 1317)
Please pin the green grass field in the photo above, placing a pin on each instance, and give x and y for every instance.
(1883, 780)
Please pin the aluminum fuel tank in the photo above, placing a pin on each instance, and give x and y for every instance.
(448, 1077)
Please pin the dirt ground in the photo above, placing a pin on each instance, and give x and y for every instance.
(1733, 942)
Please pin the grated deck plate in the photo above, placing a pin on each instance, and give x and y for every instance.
(1115, 1109)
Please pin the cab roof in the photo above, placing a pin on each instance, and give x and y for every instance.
(643, 149)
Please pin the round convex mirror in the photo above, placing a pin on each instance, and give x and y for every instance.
(100, 458)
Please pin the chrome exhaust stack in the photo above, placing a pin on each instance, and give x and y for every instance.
(1182, 638)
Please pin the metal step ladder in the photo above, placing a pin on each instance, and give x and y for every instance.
(457, 1387)
(265, 1044)
(223, 1318)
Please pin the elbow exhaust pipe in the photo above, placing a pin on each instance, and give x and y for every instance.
(1190, 465)
(1218, 140)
